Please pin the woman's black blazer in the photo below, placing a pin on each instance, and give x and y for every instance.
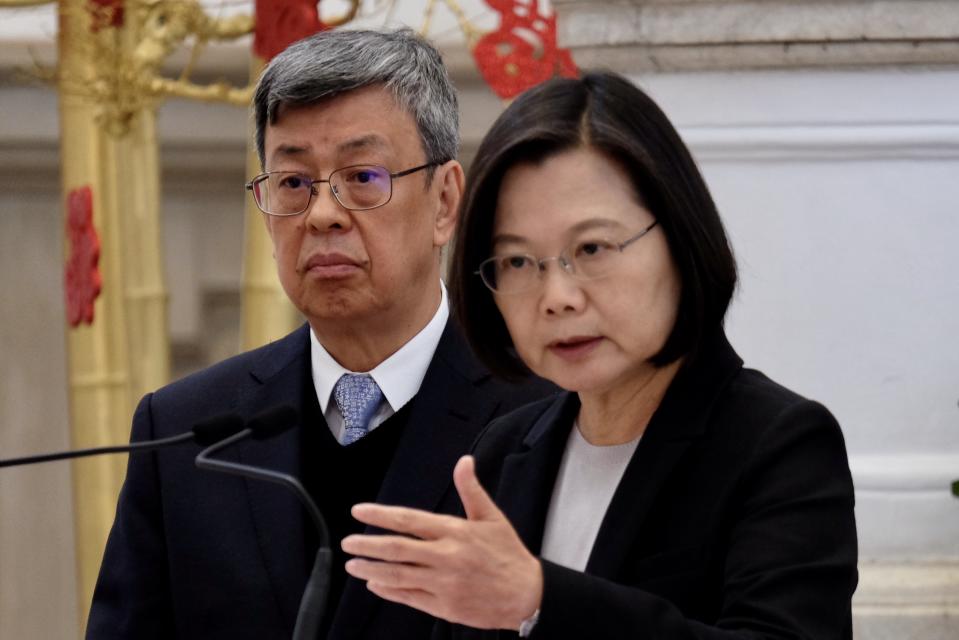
(734, 518)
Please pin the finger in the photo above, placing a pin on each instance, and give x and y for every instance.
(421, 524)
(390, 548)
(476, 502)
(390, 574)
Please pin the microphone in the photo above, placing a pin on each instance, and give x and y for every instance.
(264, 425)
(204, 433)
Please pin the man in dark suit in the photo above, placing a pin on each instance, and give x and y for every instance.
(357, 136)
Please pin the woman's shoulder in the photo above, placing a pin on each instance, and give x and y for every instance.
(752, 393)
(762, 415)
(727, 400)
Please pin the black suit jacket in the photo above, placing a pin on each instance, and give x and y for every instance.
(733, 519)
(195, 554)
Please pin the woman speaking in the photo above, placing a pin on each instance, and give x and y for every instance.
(670, 492)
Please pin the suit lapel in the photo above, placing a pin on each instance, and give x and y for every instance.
(527, 479)
(639, 486)
(528, 476)
(447, 414)
(680, 420)
(278, 516)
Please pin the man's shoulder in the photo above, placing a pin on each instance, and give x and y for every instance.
(229, 377)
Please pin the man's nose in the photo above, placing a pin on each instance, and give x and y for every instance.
(325, 212)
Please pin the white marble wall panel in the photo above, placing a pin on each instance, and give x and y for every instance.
(37, 567)
(840, 191)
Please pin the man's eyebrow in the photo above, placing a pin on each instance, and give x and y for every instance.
(369, 141)
(360, 143)
(289, 150)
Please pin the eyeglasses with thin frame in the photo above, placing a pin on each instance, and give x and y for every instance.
(357, 188)
(584, 259)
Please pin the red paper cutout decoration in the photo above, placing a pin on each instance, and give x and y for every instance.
(106, 13)
(522, 52)
(83, 281)
(280, 23)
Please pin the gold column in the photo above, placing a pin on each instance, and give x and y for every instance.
(124, 351)
(144, 289)
(266, 312)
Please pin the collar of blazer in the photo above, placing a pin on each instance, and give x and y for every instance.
(681, 419)
(685, 407)
(273, 358)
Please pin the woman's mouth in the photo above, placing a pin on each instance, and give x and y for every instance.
(574, 348)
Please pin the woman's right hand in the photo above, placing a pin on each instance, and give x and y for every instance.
(473, 571)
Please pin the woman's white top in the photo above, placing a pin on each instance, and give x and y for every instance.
(587, 478)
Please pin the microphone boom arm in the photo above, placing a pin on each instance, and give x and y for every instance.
(204, 461)
(313, 602)
(133, 447)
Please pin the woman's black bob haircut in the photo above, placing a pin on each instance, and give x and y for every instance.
(605, 112)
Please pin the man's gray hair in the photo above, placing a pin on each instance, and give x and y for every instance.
(333, 62)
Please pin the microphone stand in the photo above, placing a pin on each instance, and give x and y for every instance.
(216, 434)
(313, 602)
(205, 433)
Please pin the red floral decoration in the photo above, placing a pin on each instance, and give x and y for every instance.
(106, 13)
(522, 52)
(82, 273)
(280, 23)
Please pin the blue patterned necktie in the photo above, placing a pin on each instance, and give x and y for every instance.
(357, 396)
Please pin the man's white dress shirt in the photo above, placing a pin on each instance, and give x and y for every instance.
(399, 376)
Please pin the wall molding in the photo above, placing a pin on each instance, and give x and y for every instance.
(905, 472)
(642, 35)
(907, 600)
(712, 143)
(916, 586)
(860, 141)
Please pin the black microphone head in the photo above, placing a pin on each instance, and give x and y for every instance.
(272, 422)
(212, 430)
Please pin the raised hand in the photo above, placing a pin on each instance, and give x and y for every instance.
(473, 571)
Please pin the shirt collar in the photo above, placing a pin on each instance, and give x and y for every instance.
(399, 377)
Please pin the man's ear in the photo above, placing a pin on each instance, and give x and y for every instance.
(450, 180)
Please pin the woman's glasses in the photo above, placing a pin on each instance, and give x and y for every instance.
(585, 259)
